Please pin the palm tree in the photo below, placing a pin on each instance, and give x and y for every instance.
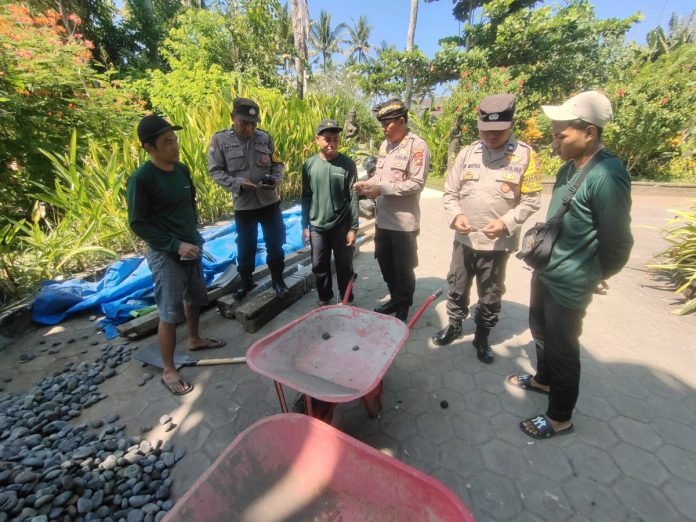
(408, 95)
(300, 31)
(359, 45)
(325, 40)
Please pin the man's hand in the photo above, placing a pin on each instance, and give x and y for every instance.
(189, 251)
(350, 238)
(601, 288)
(305, 236)
(363, 188)
(248, 184)
(268, 183)
(495, 228)
(461, 224)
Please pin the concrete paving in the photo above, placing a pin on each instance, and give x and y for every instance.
(633, 456)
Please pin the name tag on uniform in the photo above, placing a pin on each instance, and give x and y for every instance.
(468, 175)
(473, 166)
(509, 176)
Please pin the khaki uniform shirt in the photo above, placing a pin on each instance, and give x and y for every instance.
(232, 159)
(485, 184)
(402, 169)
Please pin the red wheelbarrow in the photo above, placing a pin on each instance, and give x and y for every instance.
(291, 467)
(333, 354)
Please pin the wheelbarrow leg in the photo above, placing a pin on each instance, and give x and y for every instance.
(373, 401)
(319, 409)
(281, 397)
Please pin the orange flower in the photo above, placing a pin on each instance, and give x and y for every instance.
(520, 83)
(620, 92)
(664, 101)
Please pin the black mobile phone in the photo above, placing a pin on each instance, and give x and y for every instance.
(267, 180)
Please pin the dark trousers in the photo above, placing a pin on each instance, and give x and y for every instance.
(488, 268)
(271, 220)
(323, 243)
(397, 254)
(556, 331)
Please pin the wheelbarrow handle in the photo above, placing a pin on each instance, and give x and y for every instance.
(349, 289)
(215, 362)
(414, 319)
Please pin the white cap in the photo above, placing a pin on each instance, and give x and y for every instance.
(590, 106)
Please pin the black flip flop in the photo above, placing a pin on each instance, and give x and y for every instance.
(543, 427)
(524, 382)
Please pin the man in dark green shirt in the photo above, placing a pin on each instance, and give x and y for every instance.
(162, 212)
(594, 243)
(330, 211)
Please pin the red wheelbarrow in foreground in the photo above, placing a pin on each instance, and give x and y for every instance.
(291, 467)
(333, 354)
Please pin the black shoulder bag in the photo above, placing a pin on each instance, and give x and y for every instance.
(538, 242)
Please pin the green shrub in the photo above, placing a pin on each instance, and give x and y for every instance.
(681, 257)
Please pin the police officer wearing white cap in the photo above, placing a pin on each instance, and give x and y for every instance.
(492, 189)
(244, 160)
(594, 243)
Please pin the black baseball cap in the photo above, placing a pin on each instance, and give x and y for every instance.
(496, 112)
(328, 124)
(390, 109)
(154, 125)
(246, 109)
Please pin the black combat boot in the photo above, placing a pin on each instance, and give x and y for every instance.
(483, 349)
(448, 334)
(387, 308)
(243, 289)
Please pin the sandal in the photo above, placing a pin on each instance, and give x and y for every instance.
(541, 428)
(524, 381)
(212, 343)
(180, 387)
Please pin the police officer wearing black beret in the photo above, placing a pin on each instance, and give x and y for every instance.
(244, 160)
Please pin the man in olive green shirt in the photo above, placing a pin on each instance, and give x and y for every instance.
(162, 212)
(594, 243)
(330, 211)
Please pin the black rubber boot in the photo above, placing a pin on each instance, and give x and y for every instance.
(281, 289)
(483, 349)
(387, 308)
(402, 313)
(448, 334)
(243, 289)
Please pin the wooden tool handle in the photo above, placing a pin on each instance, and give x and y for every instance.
(226, 360)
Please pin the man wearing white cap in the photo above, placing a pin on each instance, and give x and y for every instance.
(594, 243)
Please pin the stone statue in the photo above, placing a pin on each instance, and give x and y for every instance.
(455, 142)
(350, 127)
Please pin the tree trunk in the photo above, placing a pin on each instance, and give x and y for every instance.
(300, 33)
(408, 94)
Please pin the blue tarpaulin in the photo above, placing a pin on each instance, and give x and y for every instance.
(127, 284)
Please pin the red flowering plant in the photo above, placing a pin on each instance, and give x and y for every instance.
(47, 88)
(653, 113)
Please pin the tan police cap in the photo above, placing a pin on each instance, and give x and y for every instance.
(590, 106)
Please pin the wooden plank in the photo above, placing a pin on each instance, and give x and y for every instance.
(147, 324)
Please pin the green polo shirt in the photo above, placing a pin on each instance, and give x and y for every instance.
(327, 192)
(595, 239)
(162, 207)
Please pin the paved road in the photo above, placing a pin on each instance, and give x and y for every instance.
(633, 456)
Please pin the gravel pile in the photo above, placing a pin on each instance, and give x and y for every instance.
(54, 469)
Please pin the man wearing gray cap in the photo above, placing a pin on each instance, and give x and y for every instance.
(402, 168)
(330, 211)
(244, 160)
(492, 189)
(594, 243)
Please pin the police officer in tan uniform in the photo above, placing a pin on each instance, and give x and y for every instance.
(402, 168)
(493, 187)
(244, 160)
